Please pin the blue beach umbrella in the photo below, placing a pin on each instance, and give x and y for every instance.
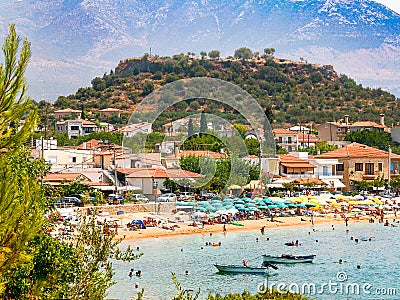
(310, 204)
(200, 208)
(272, 206)
(301, 205)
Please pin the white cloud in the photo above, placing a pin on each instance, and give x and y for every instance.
(392, 4)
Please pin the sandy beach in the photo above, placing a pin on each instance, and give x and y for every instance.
(183, 228)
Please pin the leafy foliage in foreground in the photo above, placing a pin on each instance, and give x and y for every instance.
(269, 294)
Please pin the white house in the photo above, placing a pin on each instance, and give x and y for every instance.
(132, 129)
(76, 128)
(286, 139)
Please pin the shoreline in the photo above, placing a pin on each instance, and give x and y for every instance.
(249, 225)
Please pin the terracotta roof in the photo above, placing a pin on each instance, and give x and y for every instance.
(58, 177)
(199, 153)
(367, 124)
(356, 150)
(251, 156)
(283, 131)
(294, 162)
(161, 173)
(304, 138)
(89, 144)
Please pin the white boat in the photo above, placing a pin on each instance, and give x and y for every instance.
(288, 259)
(242, 269)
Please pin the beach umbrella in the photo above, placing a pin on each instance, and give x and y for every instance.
(253, 209)
(301, 205)
(288, 202)
(239, 201)
(232, 210)
(272, 206)
(309, 204)
(262, 207)
(213, 215)
(199, 214)
(200, 208)
(241, 208)
(246, 199)
(250, 205)
(291, 205)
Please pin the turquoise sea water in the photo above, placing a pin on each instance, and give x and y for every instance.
(378, 277)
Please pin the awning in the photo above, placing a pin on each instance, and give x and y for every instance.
(335, 182)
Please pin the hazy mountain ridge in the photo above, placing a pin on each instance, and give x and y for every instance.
(92, 35)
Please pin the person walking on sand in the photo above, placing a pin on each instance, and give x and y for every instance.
(312, 218)
(224, 228)
(262, 230)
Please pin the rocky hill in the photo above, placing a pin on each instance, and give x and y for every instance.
(296, 92)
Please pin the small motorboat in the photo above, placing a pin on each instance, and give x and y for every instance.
(288, 259)
(264, 269)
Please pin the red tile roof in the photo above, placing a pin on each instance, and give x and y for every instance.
(367, 124)
(305, 138)
(58, 177)
(356, 150)
(283, 131)
(161, 173)
(199, 153)
(294, 162)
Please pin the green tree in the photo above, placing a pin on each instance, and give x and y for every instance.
(253, 146)
(269, 51)
(21, 197)
(190, 128)
(243, 53)
(214, 54)
(242, 129)
(203, 123)
(203, 55)
(98, 84)
(148, 88)
(372, 138)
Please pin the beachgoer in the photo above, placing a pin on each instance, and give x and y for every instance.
(138, 273)
(131, 273)
(358, 267)
(340, 261)
(296, 243)
(257, 240)
(267, 239)
(137, 248)
(312, 218)
(386, 223)
(345, 220)
(262, 230)
(244, 263)
(186, 272)
(224, 229)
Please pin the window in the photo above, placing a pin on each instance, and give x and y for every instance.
(340, 167)
(380, 167)
(74, 127)
(280, 139)
(289, 139)
(324, 171)
(359, 167)
(72, 159)
(369, 169)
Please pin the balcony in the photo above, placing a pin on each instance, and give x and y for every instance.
(369, 177)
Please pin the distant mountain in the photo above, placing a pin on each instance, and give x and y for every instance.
(76, 40)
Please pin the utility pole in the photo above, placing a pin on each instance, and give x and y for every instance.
(115, 172)
(389, 151)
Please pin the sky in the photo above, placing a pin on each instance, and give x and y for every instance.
(392, 4)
